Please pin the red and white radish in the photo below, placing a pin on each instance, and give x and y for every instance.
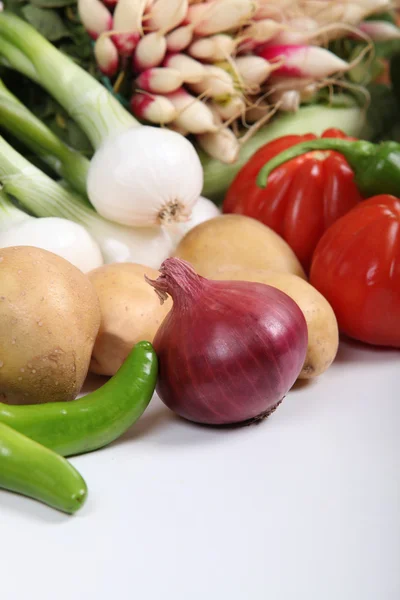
(128, 17)
(230, 108)
(253, 71)
(303, 61)
(159, 80)
(149, 52)
(193, 115)
(180, 38)
(216, 82)
(218, 16)
(95, 17)
(214, 48)
(165, 15)
(106, 55)
(380, 31)
(190, 69)
(221, 145)
(154, 108)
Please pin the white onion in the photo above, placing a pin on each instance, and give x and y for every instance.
(203, 210)
(60, 236)
(145, 176)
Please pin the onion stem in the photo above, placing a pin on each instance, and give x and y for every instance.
(18, 120)
(97, 112)
(44, 197)
(9, 214)
(11, 57)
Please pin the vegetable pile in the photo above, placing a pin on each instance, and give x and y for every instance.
(220, 69)
(113, 262)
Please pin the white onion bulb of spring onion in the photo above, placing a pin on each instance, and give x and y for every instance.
(145, 176)
(203, 210)
(60, 236)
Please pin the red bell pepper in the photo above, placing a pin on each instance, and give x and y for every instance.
(356, 266)
(303, 197)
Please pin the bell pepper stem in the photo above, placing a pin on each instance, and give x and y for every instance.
(354, 152)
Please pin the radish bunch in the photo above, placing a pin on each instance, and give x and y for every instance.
(215, 68)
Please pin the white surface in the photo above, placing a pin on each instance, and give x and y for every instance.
(305, 506)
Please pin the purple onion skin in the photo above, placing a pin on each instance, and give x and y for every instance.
(228, 351)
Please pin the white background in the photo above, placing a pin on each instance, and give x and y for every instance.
(305, 506)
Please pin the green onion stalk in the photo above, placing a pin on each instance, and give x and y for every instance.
(88, 102)
(10, 215)
(43, 197)
(65, 162)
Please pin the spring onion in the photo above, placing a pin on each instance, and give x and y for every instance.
(43, 197)
(176, 184)
(60, 236)
(64, 161)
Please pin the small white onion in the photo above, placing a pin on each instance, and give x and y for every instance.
(60, 236)
(148, 246)
(203, 210)
(145, 176)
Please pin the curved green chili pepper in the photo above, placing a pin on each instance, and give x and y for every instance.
(97, 419)
(29, 468)
(376, 166)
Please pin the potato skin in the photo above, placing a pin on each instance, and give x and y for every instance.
(49, 319)
(234, 242)
(131, 312)
(323, 332)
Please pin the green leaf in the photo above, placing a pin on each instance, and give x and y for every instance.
(52, 3)
(395, 77)
(387, 49)
(77, 139)
(383, 112)
(47, 21)
(14, 6)
(389, 17)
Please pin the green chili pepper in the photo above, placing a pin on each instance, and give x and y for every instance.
(29, 468)
(376, 166)
(97, 419)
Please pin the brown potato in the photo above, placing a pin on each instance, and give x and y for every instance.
(49, 319)
(130, 312)
(323, 333)
(236, 242)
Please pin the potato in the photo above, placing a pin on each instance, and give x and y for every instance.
(323, 334)
(130, 312)
(49, 319)
(236, 242)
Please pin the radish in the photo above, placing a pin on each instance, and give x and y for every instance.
(259, 33)
(222, 145)
(214, 48)
(106, 55)
(190, 69)
(380, 31)
(253, 71)
(165, 15)
(303, 61)
(216, 82)
(218, 16)
(159, 80)
(95, 17)
(150, 51)
(193, 115)
(128, 17)
(180, 38)
(154, 108)
(230, 108)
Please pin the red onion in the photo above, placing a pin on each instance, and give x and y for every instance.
(228, 351)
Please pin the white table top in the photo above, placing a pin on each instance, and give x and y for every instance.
(305, 506)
